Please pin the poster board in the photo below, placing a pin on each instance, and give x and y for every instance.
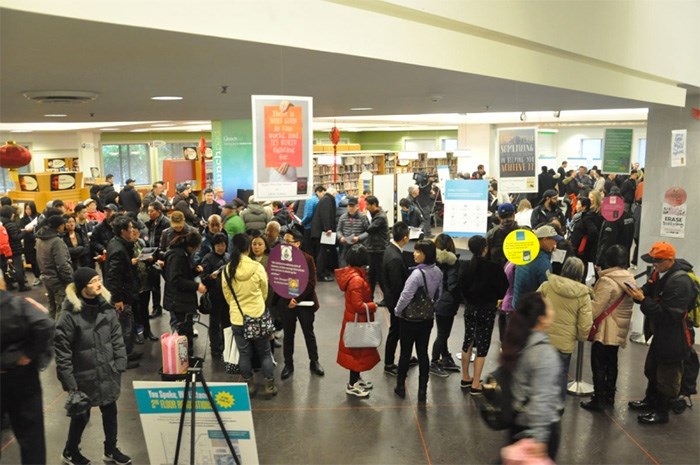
(466, 207)
(403, 182)
(617, 151)
(517, 149)
(384, 191)
(282, 146)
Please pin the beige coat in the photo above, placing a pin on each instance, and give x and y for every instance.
(613, 329)
(572, 305)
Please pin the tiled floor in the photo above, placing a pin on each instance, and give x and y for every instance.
(313, 421)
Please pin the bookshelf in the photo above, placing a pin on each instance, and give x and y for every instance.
(351, 165)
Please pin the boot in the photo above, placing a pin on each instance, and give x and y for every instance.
(422, 388)
(400, 389)
(270, 388)
(252, 388)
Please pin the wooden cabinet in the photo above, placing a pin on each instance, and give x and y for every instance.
(177, 171)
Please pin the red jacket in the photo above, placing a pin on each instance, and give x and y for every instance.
(5, 242)
(353, 282)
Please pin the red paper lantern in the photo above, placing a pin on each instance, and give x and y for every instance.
(13, 155)
(335, 138)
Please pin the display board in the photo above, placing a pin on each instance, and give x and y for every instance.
(403, 182)
(617, 151)
(384, 191)
(466, 207)
(517, 149)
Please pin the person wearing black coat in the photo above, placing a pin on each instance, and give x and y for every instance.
(323, 222)
(545, 182)
(618, 232)
(376, 242)
(627, 189)
(101, 236)
(393, 278)
(129, 197)
(181, 202)
(180, 296)
(29, 239)
(445, 308)
(107, 194)
(547, 209)
(219, 316)
(209, 206)
(584, 232)
(7, 217)
(78, 244)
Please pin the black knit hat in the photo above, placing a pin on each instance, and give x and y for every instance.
(81, 278)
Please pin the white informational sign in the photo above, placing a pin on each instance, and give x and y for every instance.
(466, 207)
(282, 146)
(403, 182)
(384, 192)
(674, 212)
(159, 404)
(678, 147)
(443, 172)
(517, 149)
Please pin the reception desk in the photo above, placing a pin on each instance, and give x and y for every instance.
(44, 187)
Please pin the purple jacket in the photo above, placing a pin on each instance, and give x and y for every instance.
(507, 304)
(433, 277)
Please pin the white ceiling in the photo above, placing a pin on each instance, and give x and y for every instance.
(126, 66)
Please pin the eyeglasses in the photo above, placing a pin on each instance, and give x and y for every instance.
(290, 241)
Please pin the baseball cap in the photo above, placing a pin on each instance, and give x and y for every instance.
(505, 210)
(660, 251)
(88, 202)
(550, 193)
(545, 231)
(129, 181)
(352, 200)
(177, 218)
(229, 206)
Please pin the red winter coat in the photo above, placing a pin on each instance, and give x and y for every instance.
(5, 242)
(353, 282)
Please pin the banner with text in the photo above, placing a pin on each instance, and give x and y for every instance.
(466, 207)
(517, 160)
(159, 404)
(617, 151)
(282, 146)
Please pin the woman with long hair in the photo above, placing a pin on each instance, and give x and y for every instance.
(259, 249)
(29, 239)
(244, 284)
(446, 308)
(483, 284)
(77, 242)
(352, 280)
(417, 332)
(535, 367)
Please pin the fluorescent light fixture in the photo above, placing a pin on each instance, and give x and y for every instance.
(139, 130)
(361, 109)
(408, 155)
(55, 115)
(166, 97)
(162, 125)
(462, 153)
(437, 154)
(109, 129)
(21, 131)
(547, 131)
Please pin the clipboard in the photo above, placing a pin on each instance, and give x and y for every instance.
(328, 239)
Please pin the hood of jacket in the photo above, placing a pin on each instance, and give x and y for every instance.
(256, 208)
(566, 287)
(343, 276)
(246, 268)
(446, 257)
(46, 233)
(77, 302)
(535, 338)
(619, 275)
(684, 264)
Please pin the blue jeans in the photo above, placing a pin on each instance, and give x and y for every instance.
(245, 354)
(564, 378)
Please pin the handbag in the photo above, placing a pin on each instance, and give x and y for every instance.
(362, 335)
(596, 323)
(253, 327)
(421, 307)
(230, 354)
(205, 304)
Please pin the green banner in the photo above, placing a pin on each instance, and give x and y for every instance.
(617, 151)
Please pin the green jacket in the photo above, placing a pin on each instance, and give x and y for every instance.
(233, 225)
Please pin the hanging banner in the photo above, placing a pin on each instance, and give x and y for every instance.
(517, 160)
(673, 212)
(617, 151)
(282, 146)
(466, 207)
(678, 147)
(159, 404)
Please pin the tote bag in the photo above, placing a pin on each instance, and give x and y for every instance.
(421, 307)
(230, 354)
(362, 335)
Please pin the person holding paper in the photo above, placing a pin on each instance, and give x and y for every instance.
(352, 228)
(323, 224)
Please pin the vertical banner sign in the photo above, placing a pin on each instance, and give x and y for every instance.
(282, 146)
(466, 207)
(678, 144)
(159, 404)
(516, 160)
(673, 212)
(617, 151)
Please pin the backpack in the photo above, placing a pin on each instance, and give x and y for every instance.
(694, 310)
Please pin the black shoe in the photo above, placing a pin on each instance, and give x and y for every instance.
(131, 364)
(316, 368)
(422, 395)
(653, 418)
(644, 404)
(24, 289)
(391, 370)
(134, 356)
(158, 311)
(287, 371)
(151, 337)
(138, 339)
(381, 303)
(448, 364)
(74, 458)
(116, 456)
(413, 362)
(400, 391)
(679, 404)
(593, 405)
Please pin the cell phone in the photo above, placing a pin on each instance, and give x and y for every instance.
(631, 286)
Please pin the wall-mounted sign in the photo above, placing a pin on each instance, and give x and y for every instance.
(617, 151)
(516, 160)
(56, 163)
(673, 212)
(28, 183)
(63, 181)
(678, 144)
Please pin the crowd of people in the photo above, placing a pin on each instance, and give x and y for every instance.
(113, 263)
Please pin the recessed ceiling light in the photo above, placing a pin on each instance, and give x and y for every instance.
(166, 97)
(361, 109)
(55, 115)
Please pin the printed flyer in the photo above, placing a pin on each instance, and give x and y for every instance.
(673, 212)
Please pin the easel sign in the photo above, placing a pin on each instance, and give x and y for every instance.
(160, 403)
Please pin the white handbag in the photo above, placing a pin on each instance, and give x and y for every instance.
(230, 354)
(362, 335)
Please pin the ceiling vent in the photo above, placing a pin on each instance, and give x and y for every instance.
(59, 96)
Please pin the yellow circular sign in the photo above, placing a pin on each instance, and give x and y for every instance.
(521, 246)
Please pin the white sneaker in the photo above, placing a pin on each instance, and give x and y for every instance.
(195, 333)
(37, 282)
(366, 385)
(356, 390)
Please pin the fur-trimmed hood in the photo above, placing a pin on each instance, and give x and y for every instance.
(77, 302)
(446, 257)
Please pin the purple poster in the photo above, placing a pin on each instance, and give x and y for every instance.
(287, 271)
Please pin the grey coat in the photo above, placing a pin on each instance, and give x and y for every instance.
(90, 352)
(53, 258)
(255, 217)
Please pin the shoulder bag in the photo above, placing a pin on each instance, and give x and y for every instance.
(362, 335)
(421, 307)
(596, 323)
(253, 327)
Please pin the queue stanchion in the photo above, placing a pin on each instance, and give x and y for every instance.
(578, 387)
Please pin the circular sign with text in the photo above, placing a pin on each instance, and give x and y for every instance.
(287, 271)
(521, 246)
(612, 208)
